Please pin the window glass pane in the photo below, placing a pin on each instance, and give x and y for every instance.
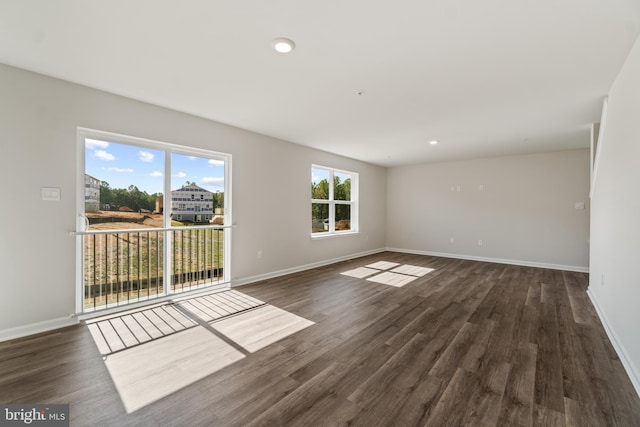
(341, 186)
(198, 181)
(123, 185)
(320, 184)
(319, 217)
(343, 217)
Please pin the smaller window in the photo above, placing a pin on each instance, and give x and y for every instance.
(334, 201)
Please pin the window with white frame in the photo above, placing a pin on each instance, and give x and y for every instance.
(334, 201)
(147, 196)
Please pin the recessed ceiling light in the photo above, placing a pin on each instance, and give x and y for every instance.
(283, 45)
(433, 142)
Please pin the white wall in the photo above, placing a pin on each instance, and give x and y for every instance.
(524, 214)
(271, 197)
(615, 218)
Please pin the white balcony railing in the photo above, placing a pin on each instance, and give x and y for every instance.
(125, 266)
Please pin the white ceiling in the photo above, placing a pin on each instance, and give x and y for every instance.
(486, 78)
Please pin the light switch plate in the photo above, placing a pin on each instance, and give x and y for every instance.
(579, 205)
(51, 194)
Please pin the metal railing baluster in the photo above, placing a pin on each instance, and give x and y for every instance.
(123, 266)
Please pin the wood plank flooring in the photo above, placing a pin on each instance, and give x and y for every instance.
(468, 343)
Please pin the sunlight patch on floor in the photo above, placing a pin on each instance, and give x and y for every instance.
(118, 332)
(412, 270)
(389, 273)
(383, 265)
(261, 327)
(392, 279)
(219, 304)
(155, 351)
(360, 272)
(149, 372)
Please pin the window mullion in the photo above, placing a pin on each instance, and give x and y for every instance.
(332, 205)
(331, 185)
(168, 241)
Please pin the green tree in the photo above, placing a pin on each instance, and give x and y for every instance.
(341, 190)
(218, 200)
(106, 193)
(320, 190)
(131, 197)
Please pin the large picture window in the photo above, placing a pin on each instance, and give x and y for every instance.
(334, 201)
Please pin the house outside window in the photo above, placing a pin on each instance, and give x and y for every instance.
(196, 206)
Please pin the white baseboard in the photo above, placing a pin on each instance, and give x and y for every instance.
(273, 274)
(494, 260)
(632, 371)
(48, 325)
(36, 328)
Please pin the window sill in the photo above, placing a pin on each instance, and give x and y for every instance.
(320, 236)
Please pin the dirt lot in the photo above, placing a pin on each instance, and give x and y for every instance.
(128, 220)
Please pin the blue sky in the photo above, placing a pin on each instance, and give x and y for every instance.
(124, 165)
(318, 174)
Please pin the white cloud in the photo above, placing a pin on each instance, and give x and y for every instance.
(180, 175)
(191, 157)
(103, 155)
(146, 156)
(155, 173)
(214, 162)
(212, 180)
(94, 143)
(118, 169)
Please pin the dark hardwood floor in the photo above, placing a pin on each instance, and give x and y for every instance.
(469, 343)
